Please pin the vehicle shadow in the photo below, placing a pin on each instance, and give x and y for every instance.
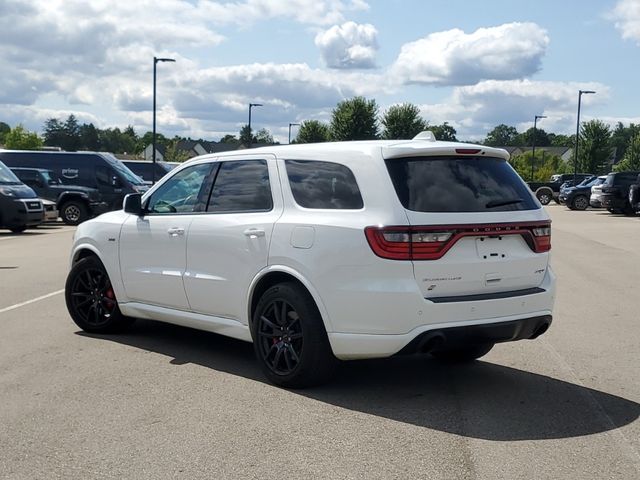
(480, 400)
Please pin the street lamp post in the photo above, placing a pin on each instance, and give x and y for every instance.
(575, 156)
(292, 125)
(251, 105)
(533, 152)
(153, 154)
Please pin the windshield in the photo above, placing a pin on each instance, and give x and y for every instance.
(123, 170)
(459, 184)
(7, 177)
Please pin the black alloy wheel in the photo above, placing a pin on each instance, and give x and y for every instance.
(289, 338)
(90, 298)
(280, 337)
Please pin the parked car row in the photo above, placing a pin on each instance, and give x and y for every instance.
(617, 192)
(75, 186)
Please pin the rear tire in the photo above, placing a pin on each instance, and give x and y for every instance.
(74, 212)
(289, 338)
(90, 299)
(19, 229)
(464, 354)
(544, 196)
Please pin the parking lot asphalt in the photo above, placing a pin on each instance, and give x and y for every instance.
(163, 401)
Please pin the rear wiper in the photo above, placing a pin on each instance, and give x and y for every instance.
(501, 203)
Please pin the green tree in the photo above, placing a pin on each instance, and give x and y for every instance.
(264, 136)
(402, 122)
(560, 140)
(502, 136)
(444, 132)
(173, 153)
(230, 139)
(527, 138)
(355, 119)
(313, 131)
(246, 136)
(54, 135)
(545, 165)
(89, 137)
(622, 136)
(4, 129)
(594, 151)
(71, 130)
(19, 138)
(631, 160)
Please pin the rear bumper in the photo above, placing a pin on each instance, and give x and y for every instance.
(610, 201)
(349, 346)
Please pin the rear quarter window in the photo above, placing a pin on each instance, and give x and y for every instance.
(459, 184)
(323, 185)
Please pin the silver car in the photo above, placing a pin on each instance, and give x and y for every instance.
(596, 192)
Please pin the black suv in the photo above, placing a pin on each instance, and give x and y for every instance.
(74, 202)
(615, 192)
(634, 195)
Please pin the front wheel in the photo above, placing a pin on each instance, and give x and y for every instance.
(90, 299)
(464, 354)
(580, 202)
(289, 338)
(19, 229)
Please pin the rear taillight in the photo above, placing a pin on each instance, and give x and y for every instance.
(432, 242)
(541, 239)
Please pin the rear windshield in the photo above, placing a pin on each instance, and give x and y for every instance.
(455, 184)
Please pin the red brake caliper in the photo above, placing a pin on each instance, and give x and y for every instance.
(112, 298)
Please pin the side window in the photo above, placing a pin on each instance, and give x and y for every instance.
(241, 186)
(329, 185)
(183, 192)
(26, 176)
(104, 176)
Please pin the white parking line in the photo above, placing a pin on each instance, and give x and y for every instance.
(33, 300)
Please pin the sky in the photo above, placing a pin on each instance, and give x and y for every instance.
(474, 64)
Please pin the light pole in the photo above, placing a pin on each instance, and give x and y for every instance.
(153, 155)
(251, 105)
(292, 125)
(575, 156)
(533, 152)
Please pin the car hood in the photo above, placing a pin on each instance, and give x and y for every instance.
(18, 191)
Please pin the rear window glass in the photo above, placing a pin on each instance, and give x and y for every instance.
(241, 186)
(454, 184)
(328, 185)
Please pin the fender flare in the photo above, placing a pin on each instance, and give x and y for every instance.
(324, 314)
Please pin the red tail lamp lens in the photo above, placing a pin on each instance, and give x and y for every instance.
(433, 242)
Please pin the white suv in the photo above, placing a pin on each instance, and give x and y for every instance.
(330, 251)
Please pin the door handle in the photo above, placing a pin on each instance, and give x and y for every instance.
(175, 231)
(254, 232)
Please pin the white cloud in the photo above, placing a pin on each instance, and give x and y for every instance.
(476, 109)
(314, 12)
(452, 57)
(626, 15)
(349, 45)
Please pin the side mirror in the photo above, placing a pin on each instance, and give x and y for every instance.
(133, 204)
(115, 182)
